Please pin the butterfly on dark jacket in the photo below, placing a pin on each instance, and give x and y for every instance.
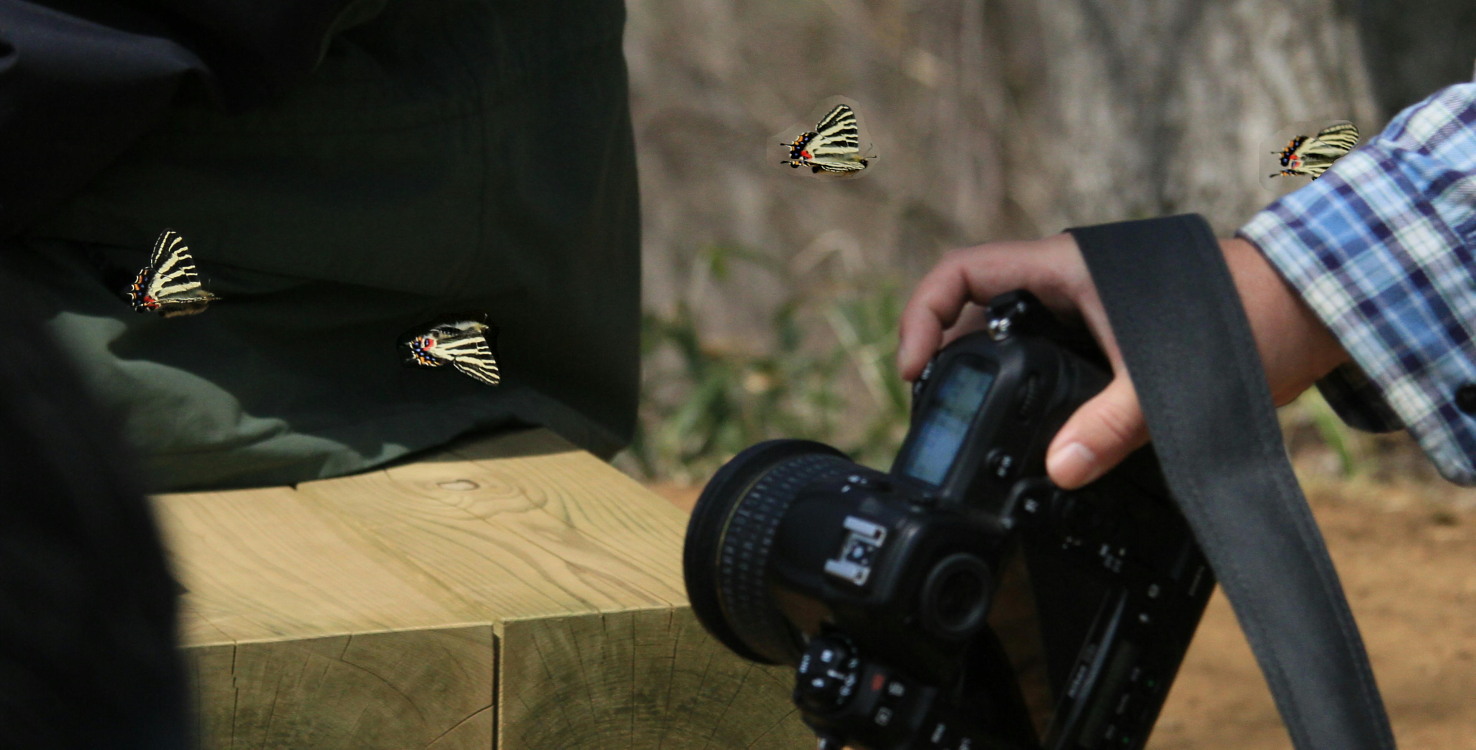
(1312, 155)
(466, 342)
(169, 284)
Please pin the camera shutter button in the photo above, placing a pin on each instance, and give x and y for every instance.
(922, 379)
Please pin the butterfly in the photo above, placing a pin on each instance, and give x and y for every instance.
(834, 146)
(169, 284)
(465, 342)
(1312, 156)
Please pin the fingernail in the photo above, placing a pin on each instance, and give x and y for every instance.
(1073, 465)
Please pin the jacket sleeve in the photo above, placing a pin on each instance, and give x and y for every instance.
(80, 80)
(1381, 247)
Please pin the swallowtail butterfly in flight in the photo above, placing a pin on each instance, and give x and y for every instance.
(465, 342)
(833, 147)
(169, 284)
(1312, 155)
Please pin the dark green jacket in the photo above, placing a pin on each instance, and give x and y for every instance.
(427, 158)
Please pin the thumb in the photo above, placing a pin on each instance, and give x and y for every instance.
(1101, 433)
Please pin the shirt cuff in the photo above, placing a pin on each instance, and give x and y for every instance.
(1380, 248)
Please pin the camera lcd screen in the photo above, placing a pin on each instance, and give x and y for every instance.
(945, 425)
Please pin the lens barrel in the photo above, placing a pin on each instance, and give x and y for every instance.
(730, 538)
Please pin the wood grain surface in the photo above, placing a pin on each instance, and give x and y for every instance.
(508, 593)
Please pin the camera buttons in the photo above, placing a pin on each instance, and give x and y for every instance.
(892, 697)
(1144, 681)
(896, 689)
(827, 674)
(1001, 464)
(999, 328)
(922, 380)
(1114, 733)
(944, 737)
(924, 376)
(878, 483)
(1029, 397)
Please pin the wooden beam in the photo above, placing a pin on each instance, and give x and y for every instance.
(622, 679)
(510, 593)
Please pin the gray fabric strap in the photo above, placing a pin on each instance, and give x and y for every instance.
(1184, 337)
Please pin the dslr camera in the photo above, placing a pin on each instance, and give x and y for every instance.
(959, 601)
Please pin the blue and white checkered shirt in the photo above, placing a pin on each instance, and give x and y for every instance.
(1381, 247)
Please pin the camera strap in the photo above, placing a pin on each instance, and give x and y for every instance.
(1184, 336)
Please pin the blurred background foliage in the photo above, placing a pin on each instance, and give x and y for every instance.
(823, 370)
(771, 300)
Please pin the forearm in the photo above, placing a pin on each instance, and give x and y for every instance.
(1296, 347)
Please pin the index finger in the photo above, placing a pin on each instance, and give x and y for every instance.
(935, 305)
(978, 274)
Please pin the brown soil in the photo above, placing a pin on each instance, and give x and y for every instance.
(1407, 557)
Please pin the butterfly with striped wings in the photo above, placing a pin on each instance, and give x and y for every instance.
(1311, 156)
(833, 147)
(465, 342)
(169, 284)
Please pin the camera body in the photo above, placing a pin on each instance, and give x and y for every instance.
(960, 600)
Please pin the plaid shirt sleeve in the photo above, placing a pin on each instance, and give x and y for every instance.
(1381, 247)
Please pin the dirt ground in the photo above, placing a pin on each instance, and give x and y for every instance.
(1407, 557)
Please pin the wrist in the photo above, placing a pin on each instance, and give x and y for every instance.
(1296, 346)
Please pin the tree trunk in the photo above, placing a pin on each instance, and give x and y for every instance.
(993, 119)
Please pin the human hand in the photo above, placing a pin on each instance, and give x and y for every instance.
(1296, 348)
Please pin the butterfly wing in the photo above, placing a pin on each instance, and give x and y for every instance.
(464, 343)
(1340, 138)
(1331, 144)
(471, 353)
(169, 284)
(1312, 156)
(834, 146)
(837, 134)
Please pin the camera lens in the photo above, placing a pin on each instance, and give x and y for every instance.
(956, 595)
(731, 535)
